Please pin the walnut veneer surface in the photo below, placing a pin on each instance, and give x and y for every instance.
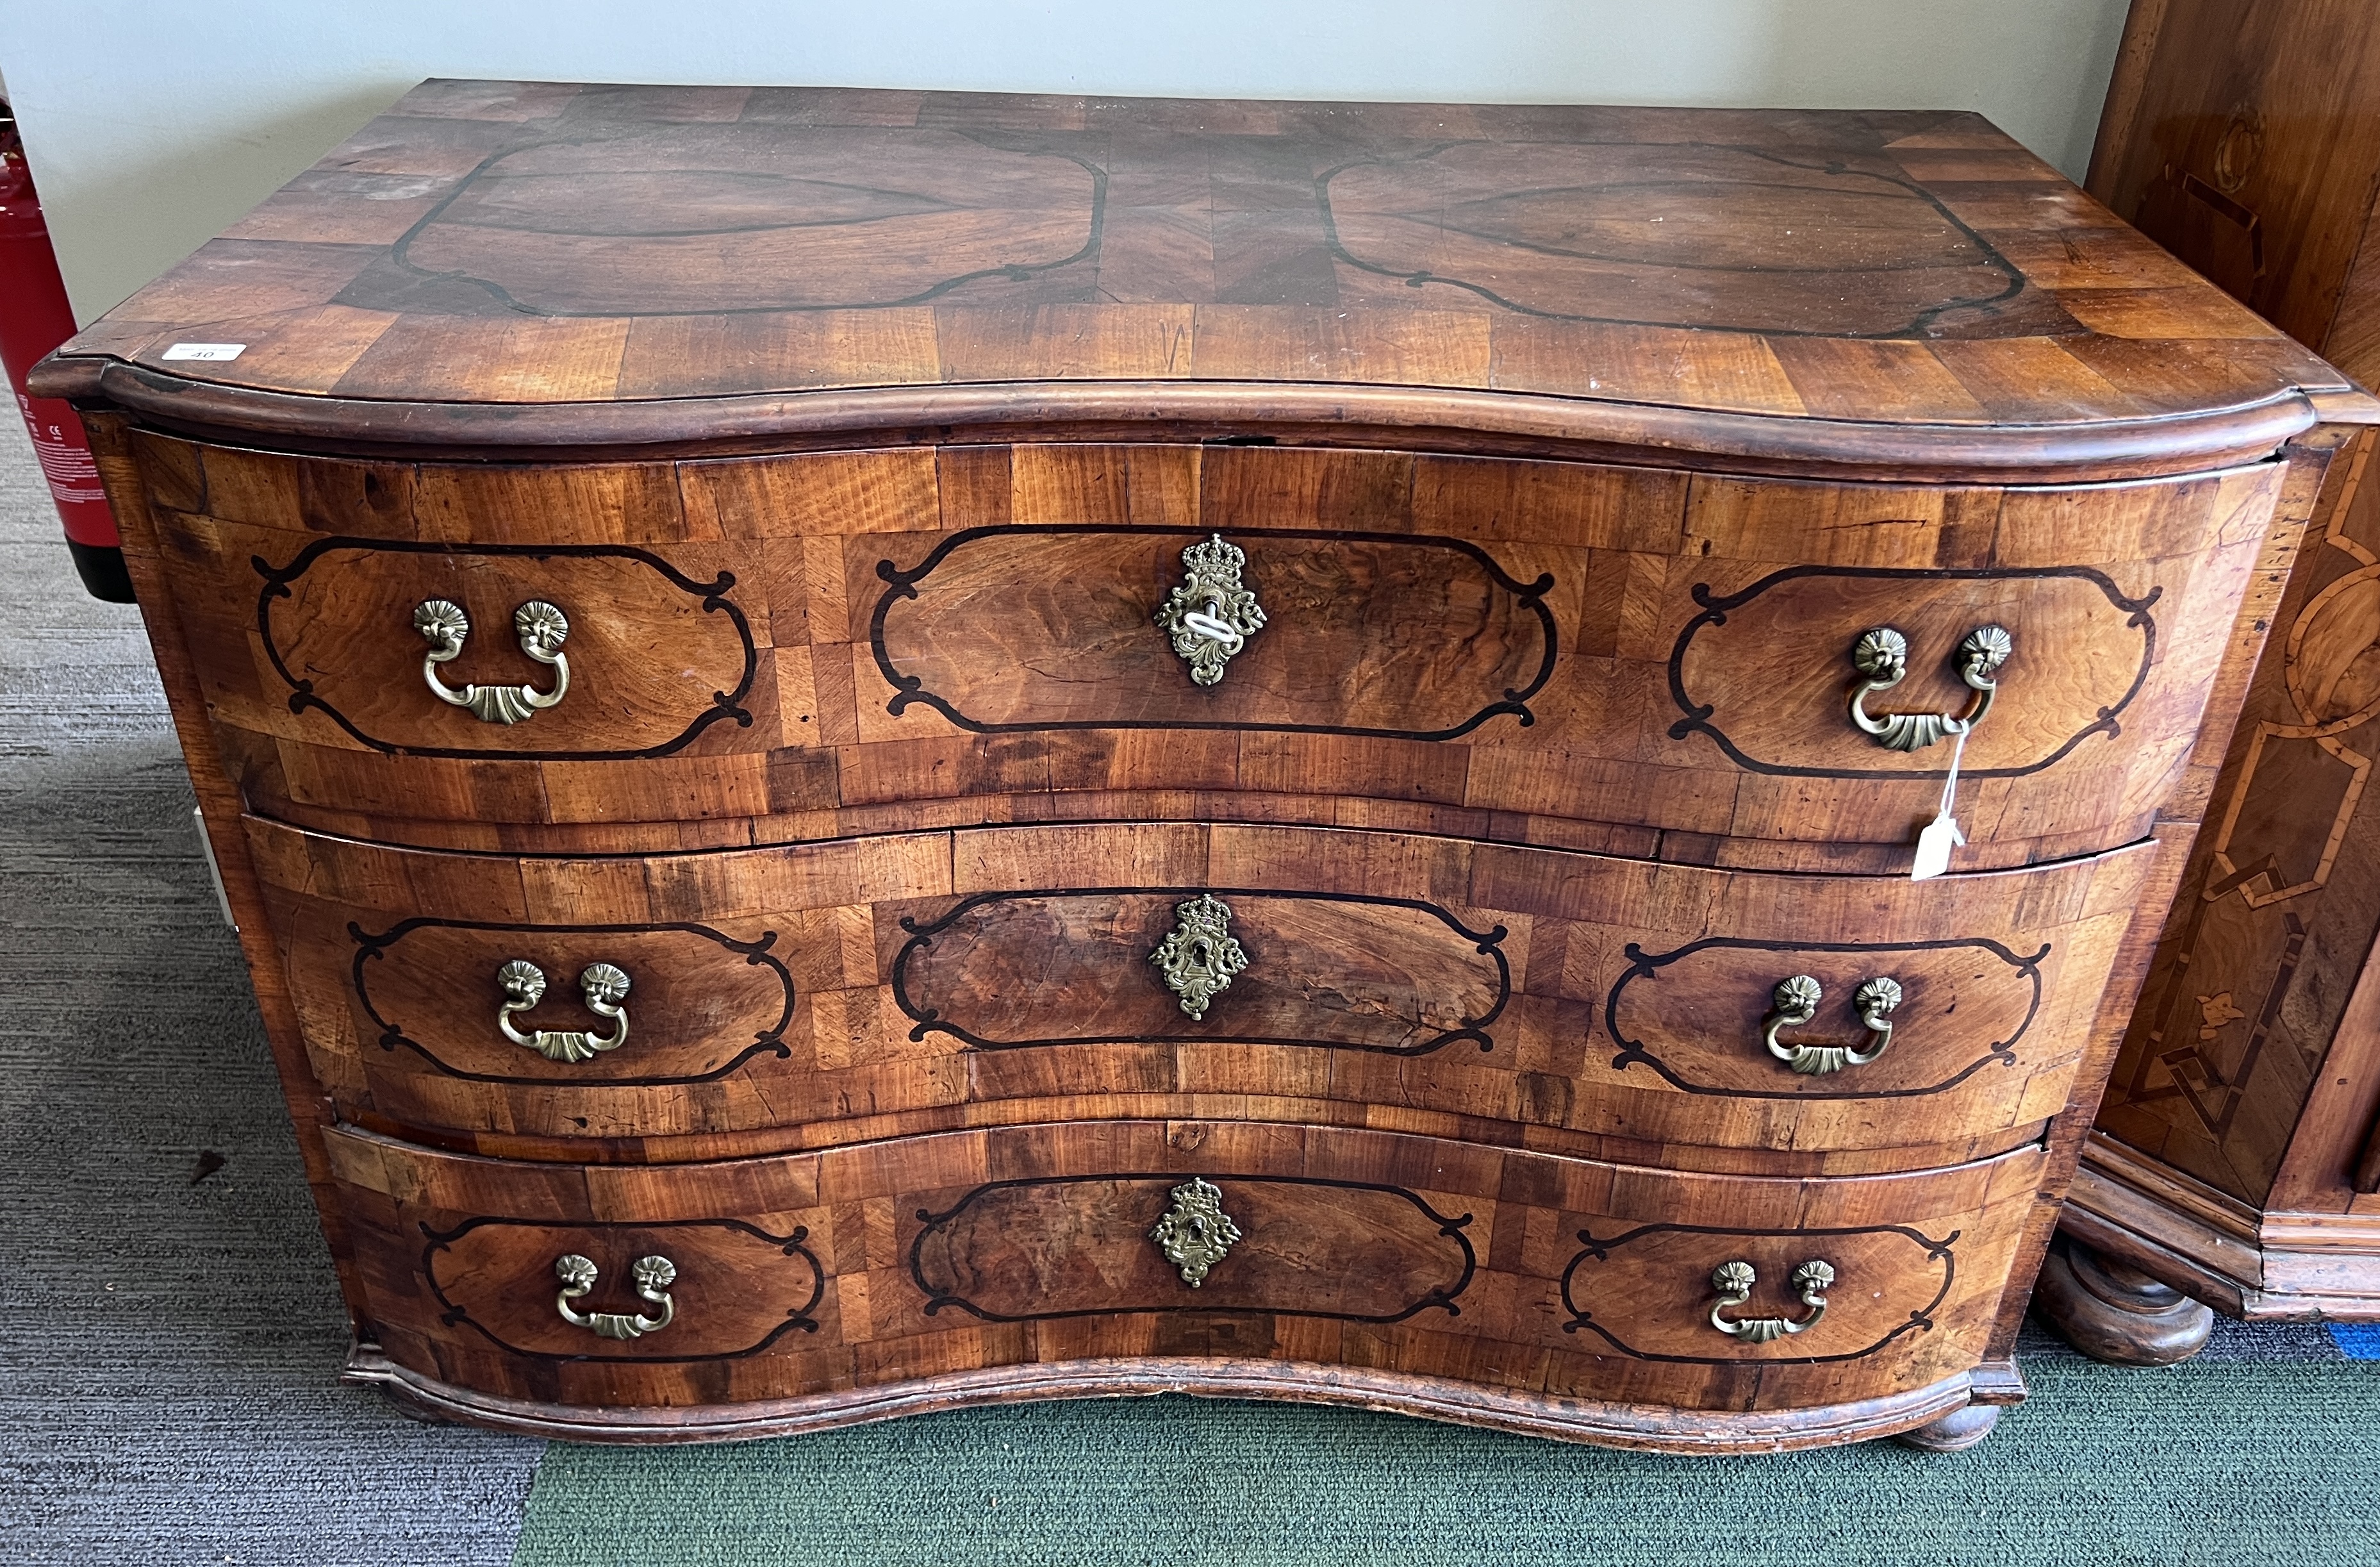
(2238, 1152)
(864, 438)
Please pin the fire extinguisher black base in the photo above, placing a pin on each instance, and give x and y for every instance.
(101, 566)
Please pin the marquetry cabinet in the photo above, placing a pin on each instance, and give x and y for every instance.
(2237, 1158)
(882, 750)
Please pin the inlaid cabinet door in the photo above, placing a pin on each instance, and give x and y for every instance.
(1645, 659)
(900, 1262)
(757, 999)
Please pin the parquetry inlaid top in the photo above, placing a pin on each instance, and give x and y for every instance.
(539, 243)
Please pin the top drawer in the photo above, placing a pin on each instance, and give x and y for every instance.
(846, 639)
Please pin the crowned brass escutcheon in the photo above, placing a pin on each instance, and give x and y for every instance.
(541, 628)
(605, 988)
(1735, 1282)
(1211, 615)
(1196, 1231)
(653, 1276)
(1881, 656)
(1199, 956)
(1795, 1002)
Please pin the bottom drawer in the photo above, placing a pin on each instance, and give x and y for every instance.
(1489, 1283)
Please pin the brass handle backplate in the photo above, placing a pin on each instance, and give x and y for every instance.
(1795, 1002)
(1196, 1231)
(1199, 956)
(1211, 615)
(1733, 1280)
(605, 987)
(653, 1276)
(541, 629)
(1881, 656)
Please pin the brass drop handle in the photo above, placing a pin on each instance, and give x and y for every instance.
(653, 1276)
(1199, 956)
(541, 629)
(1733, 1280)
(1881, 656)
(1211, 615)
(1196, 1233)
(605, 987)
(1795, 1002)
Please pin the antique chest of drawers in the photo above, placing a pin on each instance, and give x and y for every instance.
(878, 750)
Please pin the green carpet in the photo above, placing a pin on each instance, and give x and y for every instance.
(2236, 1463)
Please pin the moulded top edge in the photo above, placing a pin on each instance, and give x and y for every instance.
(1172, 411)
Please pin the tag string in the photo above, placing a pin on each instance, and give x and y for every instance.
(1951, 783)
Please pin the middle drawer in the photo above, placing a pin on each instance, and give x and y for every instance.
(761, 1000)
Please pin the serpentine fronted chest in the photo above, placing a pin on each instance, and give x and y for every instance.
(879, 750)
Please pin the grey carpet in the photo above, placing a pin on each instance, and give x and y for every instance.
(168, 1350)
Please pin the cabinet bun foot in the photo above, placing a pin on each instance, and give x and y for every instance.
(2118, 1314)
(1954, 1432)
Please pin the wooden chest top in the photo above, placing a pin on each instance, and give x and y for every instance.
(631, 265)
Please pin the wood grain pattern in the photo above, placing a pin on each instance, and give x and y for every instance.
(1395, 976)
(2238, 146)
(1906, 1313)
(2226, 1049)
(740, 1286)
(2245, 1085)
(590, 245)
(1576, 1004)
(1421, 637)
(662, 657)
(1039, 1250)
(219, 806)
(2230, 1157)
(1494, 648)
(2265, 1265)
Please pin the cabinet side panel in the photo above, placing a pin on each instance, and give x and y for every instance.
(219, 805)
(2232, 139)
(2281, 902)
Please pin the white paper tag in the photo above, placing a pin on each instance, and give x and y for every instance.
(1941, 834)
(1934, 846)
(217, 351)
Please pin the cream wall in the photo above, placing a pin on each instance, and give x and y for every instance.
(151, 127)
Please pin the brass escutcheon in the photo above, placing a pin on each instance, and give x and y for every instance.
(1211, 615)
(1196, 1231)
(1198, 957)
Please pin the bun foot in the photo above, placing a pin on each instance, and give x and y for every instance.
(1956, 1431)
(2118, 1314)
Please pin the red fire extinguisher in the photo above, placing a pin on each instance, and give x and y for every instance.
(34, 319)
